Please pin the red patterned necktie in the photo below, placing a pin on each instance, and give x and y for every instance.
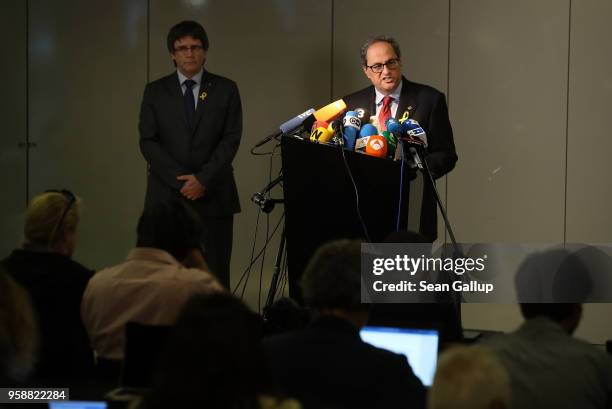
(385, 113)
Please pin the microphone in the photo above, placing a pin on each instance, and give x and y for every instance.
(351, 124)
(367, 130)
(414, 129)
(318, 124)
(363, 115)
(394, 126)
(335, 127)
(331, 111)
(376, 146)
(415, 140)
(321, 134)
(289, 126)
(391, 143)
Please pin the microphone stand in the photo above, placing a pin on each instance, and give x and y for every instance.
(424, 168)
(267, 205)
(421, 163)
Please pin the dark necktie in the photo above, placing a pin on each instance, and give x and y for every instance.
(385, 113)
(189, 101)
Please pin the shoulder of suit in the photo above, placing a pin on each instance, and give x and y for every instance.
(359, 94)
(220, 80)
(415, 87)
(164, 79)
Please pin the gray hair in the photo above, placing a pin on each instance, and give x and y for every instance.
(470, 378)
(332, 278)
(377, 39)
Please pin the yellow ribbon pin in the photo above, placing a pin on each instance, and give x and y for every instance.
(203, 95)
(404, 117)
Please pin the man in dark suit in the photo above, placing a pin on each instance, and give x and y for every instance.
(190, 128)
(327, 365)
(392, 95)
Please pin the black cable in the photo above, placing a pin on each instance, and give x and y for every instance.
(263, 258)
(251, 262)
(264, 153)
(263, 248)
(350, 173)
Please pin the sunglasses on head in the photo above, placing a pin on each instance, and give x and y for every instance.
(71, 200)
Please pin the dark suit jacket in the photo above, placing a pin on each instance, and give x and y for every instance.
(56, 284)
(171, 148)
(428, 106)
(327, 365)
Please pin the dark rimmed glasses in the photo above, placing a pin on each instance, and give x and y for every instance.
(391, 65)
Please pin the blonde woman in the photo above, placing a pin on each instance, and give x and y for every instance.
(55, 283)
(18, 332)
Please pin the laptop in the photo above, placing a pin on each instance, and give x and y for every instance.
(73, 404)
(419, 346)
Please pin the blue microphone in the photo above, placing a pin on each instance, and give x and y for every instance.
(351, 124)
(296, 122)
(394, 126)
(301, 122)
(368, 130)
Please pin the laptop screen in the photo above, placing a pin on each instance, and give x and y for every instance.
(419, 346)
(73, 404)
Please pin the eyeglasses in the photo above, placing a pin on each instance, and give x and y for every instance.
(71, 200)
(378, 68)
(184, 48)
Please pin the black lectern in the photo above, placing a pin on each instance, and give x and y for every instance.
(321, 203)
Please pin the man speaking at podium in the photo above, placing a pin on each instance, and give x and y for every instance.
(190, 128)
(393, 96)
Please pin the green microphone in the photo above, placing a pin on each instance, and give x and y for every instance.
(391, 143)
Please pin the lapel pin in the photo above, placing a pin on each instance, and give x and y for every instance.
(203, 95)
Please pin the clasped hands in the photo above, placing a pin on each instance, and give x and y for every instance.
(192, 188)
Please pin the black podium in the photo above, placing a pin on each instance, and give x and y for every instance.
(321, 205)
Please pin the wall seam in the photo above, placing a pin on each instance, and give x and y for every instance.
(331, 59)
(448, 61)
(567, 112)
(27, 103)
(148, 55)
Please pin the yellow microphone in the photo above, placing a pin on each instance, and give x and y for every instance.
(331, 111)
(321, 135)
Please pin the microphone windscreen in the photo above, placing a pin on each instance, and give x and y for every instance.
(318, 124)
(376, 146)
(351, 125)
(414, 129)
(363, 114)
(331, 111)
(394, 126)
(294, 123)
(321, 135)
(391, 142)
(367, 130)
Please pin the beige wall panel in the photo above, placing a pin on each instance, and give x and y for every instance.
(589, 191)
(278, 52)
(87, 67)
(589, 146)
(421, 28)
(13, 120)
(508, 88)
(508, 75)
